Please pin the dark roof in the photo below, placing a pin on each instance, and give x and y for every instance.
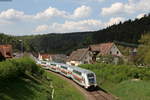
(78, 55)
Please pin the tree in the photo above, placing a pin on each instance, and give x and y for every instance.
(144, 50)
(147, 58)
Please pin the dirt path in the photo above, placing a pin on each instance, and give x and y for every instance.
(98, 94)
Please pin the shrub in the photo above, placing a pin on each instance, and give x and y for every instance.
(17, 67)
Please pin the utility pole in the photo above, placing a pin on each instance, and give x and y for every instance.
(21, 41)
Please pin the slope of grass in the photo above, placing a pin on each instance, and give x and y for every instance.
(130, 90)
(64, 90)
(22, 79)
(118, 79)
(24, 88)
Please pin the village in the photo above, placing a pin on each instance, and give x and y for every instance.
(104, 52)
(74, 50)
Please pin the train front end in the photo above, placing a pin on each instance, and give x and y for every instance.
(91, 80)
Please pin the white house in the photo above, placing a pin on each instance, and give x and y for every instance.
(80, 56)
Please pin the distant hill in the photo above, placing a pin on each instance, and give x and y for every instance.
(130, 31)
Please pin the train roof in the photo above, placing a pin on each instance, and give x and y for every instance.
(79, 69)
(74, 67)
(82, 70)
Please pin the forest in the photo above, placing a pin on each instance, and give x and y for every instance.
(128, 32)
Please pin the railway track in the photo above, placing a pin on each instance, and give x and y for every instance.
(97, 94)
(102, 95)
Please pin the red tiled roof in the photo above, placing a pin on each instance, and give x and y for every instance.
(103, 48)
(6, 51)
(45, 56)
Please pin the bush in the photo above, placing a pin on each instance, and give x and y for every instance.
(117, 73)
(109, 59)
(17, 67)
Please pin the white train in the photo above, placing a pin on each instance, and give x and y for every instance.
(83, 77)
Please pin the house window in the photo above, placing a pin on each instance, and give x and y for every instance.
(117, 52)
(8, 54)
(110, 52)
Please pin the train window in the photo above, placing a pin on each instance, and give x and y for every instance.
(90, 75)
(91, 80)
(43, 62)
(77, 72)
(53, 64)
(63, 67)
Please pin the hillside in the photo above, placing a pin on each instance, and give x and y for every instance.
(128, 82)
(130, 31)
(22, 79)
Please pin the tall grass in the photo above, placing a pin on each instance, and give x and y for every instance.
(17, 67)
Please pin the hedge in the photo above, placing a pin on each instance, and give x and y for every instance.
(16, 67)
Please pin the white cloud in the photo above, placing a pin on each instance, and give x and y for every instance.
(115, 8)
(50, 12)
(71, 26)
(115, 20)
(131, 7)
(12, 14)
(81, 12)
(79, 26)
(41, 28)
(140, 16)
(15, 15)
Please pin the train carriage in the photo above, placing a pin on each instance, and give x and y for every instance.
(66, 70)
(81, 76)
(54, 66)
(84, 77)
(44, 64)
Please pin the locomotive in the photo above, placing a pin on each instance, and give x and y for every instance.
(83, 77)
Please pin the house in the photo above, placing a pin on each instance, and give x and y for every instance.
(80, 56)
(104, 49)
(61, 58)
(5, 52)
(46, 57)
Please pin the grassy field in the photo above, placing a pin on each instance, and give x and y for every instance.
(24, 88)
(130, 90)
(64, 90)
(118, 80)
(22, 79)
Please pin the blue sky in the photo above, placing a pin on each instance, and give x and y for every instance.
(26, 17)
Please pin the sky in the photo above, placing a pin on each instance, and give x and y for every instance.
(31, 17)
